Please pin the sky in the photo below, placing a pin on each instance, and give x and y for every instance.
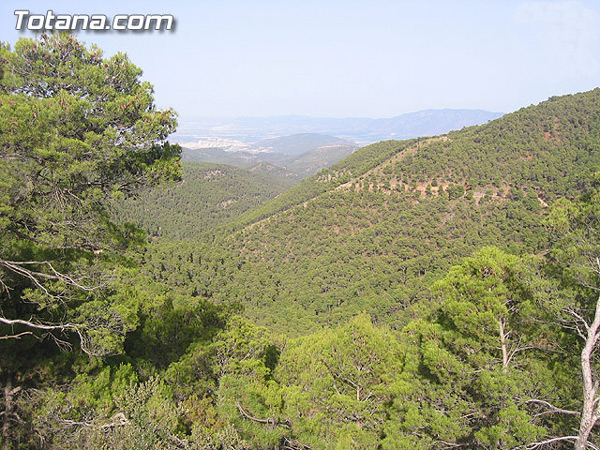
(351, 58)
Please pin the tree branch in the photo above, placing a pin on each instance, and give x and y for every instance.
(40, 326)
(17, 336)
(536, 445)
(552, 409)
(16, 266)
(270, 420)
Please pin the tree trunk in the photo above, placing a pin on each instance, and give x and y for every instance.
(504, 345)
(590, 411)
(8, 407)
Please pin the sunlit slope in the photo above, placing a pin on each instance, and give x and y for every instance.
(374, 231)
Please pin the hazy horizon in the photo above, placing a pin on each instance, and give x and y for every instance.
(307, 116)
(334, 59)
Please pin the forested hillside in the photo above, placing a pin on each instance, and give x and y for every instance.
(208, 196)
(372, 232)
(438, 293)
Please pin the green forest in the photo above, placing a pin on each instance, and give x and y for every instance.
(433, 293)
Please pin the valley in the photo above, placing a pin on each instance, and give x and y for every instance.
(317, 286)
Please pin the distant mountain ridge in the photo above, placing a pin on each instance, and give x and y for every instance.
(295, 157)
(301, 146)
(361, 130)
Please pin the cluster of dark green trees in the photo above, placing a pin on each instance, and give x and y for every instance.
(210, 196)
(374, 230)
(434, 293)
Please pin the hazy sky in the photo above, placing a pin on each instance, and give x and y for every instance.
(346, 58)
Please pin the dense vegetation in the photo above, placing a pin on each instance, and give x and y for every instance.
(373, 231)
(209, 195)
(427, 294)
